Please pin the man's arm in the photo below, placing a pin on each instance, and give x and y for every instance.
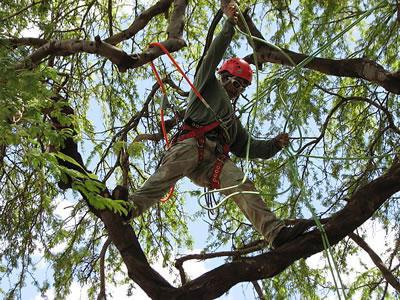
(258, 148)
(218, 47)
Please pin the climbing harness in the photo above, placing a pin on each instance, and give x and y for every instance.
(192, 130)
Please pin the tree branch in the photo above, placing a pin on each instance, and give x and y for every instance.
(105, 49)
(120, 233)
(258, 289)
(363, 204)
(140, 22)
(392, 280)
(110, 18)
(175, 27)
(21, 10)
(69, 47)
(362, 68)
(102, 293)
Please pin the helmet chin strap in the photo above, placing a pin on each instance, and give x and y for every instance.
(234, 101)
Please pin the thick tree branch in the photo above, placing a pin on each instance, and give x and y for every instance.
(126, 242)
(175, 27)
(360, 208)
(69, 47)
(392, 280)
(120, 58)
(362, 68)
(16, 42)
(121, 234)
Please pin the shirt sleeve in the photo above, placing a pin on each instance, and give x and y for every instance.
(258, 148)
(214, 54)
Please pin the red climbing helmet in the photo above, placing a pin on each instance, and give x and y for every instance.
(237, 67)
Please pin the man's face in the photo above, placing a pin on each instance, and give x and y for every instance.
(234, 86)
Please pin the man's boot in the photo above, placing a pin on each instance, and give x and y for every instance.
(288, 234)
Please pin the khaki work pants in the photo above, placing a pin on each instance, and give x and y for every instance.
(182, 160)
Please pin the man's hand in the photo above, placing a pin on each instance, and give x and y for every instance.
(231, 11)
(282, 140)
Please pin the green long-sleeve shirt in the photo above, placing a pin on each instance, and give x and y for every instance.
(215, 95)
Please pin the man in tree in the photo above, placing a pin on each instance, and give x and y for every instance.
(209, 133)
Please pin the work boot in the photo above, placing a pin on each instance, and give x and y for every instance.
(121, 193)
(288, 234)
(132, 212)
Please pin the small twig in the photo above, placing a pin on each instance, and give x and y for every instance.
(398, 11)
(168, 80)
(102, 293)
(124, 162)
(21, 11)
(258, 289)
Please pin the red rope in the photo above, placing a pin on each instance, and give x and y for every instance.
(165, 50)
(161, 84)
(164, 131)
